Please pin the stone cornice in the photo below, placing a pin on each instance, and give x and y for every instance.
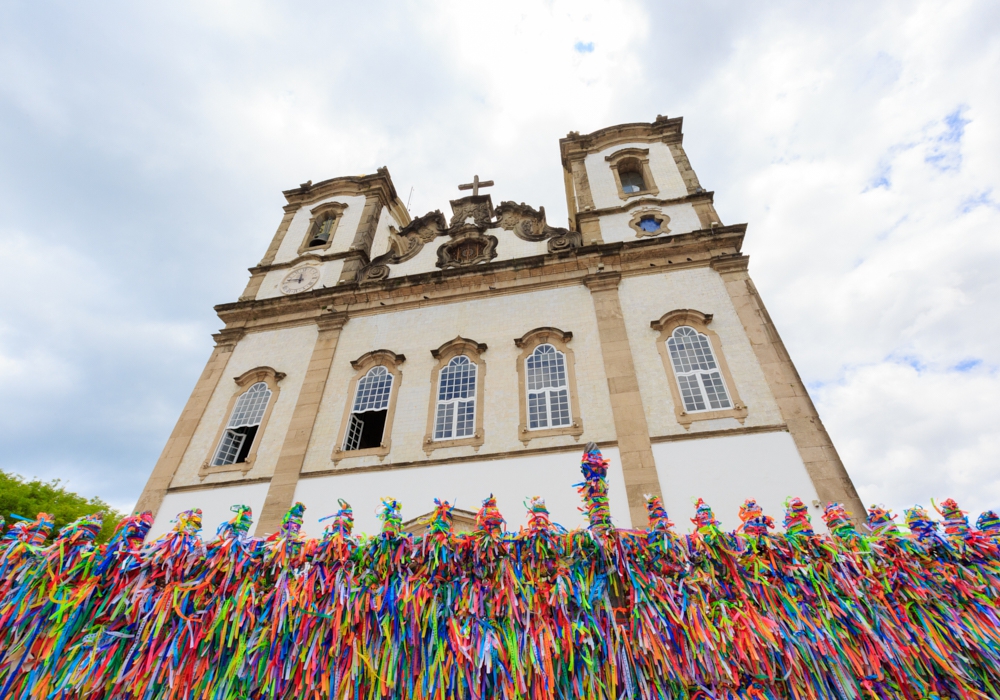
(731, 263)
(603, 281)
(576, 146)
(630, 258)
(305, 257)
(378, 185)
(633, 203)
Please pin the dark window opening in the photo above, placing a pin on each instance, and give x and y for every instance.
(321, 236)
(365, 430)
(251, 432)
(632, 182)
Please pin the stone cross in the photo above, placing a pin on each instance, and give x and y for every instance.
(475, 185)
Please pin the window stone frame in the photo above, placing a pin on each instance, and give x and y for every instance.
(699, 321)
(527, 343)
(391, 361)
(642, 155)
(445, 354)
(660, 217)
(317, 213)
(269, 376)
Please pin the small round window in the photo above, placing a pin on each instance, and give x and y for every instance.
(649, 224)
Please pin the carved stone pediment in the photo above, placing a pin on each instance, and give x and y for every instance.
(529, 225)
(468, 246)
(478, 208)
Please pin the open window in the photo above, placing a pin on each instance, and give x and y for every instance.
(630, 175)
(367, 424)
(235, 446)
(243, 424)
(633, 176)
(322, 227)
(371, 406)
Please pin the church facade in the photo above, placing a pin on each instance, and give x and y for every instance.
(373, 354)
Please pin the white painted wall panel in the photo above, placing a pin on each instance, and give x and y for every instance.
(287, 350)
(342, 239)
(495, 321)
(329, 276)
(726, 471)
(666, 175)
(646, 299)
(615, 227)
(465, 486)
(215, 505)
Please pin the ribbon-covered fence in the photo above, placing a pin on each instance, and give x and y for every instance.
(876, 612)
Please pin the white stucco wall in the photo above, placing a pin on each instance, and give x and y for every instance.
(665, 172)
(495, 321)
(726, 471)
(647, 298)
(615, 227)
(380, 244)
(215, 505)
(287, 350)
(512, 481)
(329, 275)
(346, 228)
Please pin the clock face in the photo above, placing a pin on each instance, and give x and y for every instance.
(299, 280)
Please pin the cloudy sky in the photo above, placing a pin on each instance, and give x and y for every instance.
(144, 147)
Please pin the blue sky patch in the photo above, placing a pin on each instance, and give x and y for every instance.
(581, 47)
(967, 365)
(945, 153)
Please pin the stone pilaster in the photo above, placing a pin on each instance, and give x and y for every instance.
(281, 492)
(279, 235)
(821, 459)
(632, 431)
(180, 438)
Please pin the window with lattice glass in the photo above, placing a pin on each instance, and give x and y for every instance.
(242, 427)
(368, 414)
(456, 405)
(548, 389)
(698, 375)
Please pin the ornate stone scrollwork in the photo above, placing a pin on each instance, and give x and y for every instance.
(373, 272)
(469, 246)
(526, 223)
(479, 209)
(529, 225)
(567, 240)
(405, 244)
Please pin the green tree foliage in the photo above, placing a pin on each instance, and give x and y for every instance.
(28, 498)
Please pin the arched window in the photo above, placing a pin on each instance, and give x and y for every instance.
(698, 375)
(630, 174)
(548, 390)
(456, 404)
(371, 405)
(630, 167)
(243, 425)
(322, 230)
